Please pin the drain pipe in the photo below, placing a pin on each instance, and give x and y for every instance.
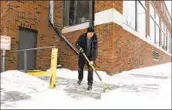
(51, 11)
(55, 27)
(91, 13)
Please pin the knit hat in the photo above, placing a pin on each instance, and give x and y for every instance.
(90, 29)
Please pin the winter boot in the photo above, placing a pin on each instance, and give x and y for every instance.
(79, 82)
(89, 87)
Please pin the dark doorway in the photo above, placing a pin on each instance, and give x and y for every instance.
(27, 40)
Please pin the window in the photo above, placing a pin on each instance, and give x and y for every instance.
(76, 12)
(157, 18)
(166, 38)
(165, 42)
(157, 35)
(164, 28)
(152, 10)
(141, 19)
(152, 30)
(135, 17)
(129, 13)
(155, 29)
(163, 35)
(162, 39)
(170, 41)
(143, 2)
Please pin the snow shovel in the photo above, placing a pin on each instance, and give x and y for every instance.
(106, 88)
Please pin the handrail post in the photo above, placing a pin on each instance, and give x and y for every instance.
(25, 61)
(3, 61)
(53, 73)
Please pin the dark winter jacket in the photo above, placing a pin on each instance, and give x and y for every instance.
(82, 42)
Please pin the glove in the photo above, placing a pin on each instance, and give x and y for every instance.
(81, 50)
(91, 63)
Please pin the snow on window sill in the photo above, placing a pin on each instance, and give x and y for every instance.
(75, 27)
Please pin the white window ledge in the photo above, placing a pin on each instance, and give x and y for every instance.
(75, 27)
(107, 16)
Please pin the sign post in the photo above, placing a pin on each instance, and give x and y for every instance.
(5, 45)
(3, 61)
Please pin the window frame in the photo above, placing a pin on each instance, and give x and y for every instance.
(135, 27)
(154, 30)
(143, 5)
(136, 15)
(164, 31)
(128, 23)
(155, 23)
(75, 13)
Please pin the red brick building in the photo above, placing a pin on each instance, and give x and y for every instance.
(130, 34)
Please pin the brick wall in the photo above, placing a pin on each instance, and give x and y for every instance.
(105, 45)
(118, 50)
(132, 52)
(32, 15)
(101, 5)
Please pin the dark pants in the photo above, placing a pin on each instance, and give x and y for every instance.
(81, 63)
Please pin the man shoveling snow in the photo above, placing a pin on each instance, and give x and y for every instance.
(88, 42)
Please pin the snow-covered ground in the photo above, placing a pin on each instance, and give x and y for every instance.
(143, 88)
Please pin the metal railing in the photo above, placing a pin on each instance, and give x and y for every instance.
(53, 65)
(48, 47)
(26, 56)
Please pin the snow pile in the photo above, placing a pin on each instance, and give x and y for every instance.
(66, 73)
(18, 81)
(153, 87)
(150, 74)
(53, 99)
(46, 100)
(160, 70)
(136, 100)
(144, 88)
(116, 99)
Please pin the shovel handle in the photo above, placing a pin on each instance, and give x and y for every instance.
(104, 85)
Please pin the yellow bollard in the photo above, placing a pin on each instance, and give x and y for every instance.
(53, 68)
